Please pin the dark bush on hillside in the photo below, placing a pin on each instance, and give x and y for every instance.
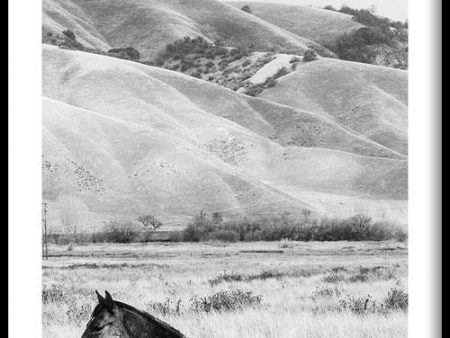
(197, 74)
(310, 55)
(362, 45)
(125, 53)
(69, 34)
(270, 82)
(294, 59)
(246, 63)
(356, 46)
(246, 8)
(184, 67)
(280, 72)
(254, 90)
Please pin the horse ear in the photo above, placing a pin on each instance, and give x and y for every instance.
(101, 300)
(109, 300)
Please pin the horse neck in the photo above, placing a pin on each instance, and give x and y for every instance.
(136, 322)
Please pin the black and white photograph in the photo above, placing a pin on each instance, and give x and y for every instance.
(222, 169)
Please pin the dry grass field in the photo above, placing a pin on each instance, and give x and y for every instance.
(297, 289)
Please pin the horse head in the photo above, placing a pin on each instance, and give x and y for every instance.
(114, 319)
(106, 321)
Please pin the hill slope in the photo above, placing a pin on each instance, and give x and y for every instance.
(149, 25)
(366, 99)
(128, 138)
(319, 25)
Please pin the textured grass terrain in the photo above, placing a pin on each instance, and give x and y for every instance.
(319, 25)
(369, 100)
(151, 24)
(306, 289)
(127, 138)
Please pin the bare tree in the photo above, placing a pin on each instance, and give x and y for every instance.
(73, 214)
(217, 217)
(150, 220)
(306, 213)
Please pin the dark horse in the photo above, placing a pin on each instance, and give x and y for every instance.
(111, 318)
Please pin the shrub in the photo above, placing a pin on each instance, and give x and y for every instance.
(329, 8)
(69, 34)
(184, 67)
(254, 90)
(246, 63)
(361, 276)
(326, 292)
(236, 277)
(294, 59)
(120, 232)
(225, 301)
(78, 313)
(167, 308)
(227, 277)
(125, 53)
(310, 55)
(280, 72)
(396, 300)
(53, 294)
(359, 305)
(197, 74)
(334, 278)
(246, 8)
(270, 82)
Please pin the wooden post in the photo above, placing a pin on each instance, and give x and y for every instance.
(44, 221)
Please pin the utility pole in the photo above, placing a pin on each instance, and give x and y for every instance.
(44, 223)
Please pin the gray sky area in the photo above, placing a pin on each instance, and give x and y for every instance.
(393, 9)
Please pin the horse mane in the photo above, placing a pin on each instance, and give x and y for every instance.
(149, 317)
(98, 308)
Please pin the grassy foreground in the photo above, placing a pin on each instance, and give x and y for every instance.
(263, 289)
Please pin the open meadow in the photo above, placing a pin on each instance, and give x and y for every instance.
(214, 289)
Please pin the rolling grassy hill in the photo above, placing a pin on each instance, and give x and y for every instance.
(127, 138)
(148, 25)
(319, 25)
(369, 100)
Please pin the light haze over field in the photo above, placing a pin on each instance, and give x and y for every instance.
(397, 9)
